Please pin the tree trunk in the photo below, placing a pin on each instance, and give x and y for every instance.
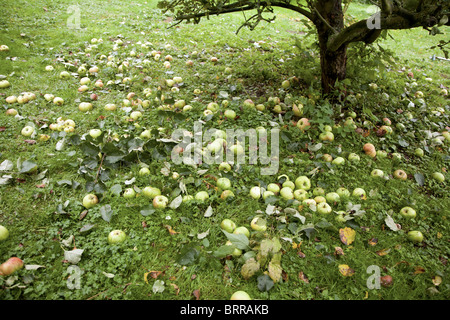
(333, 63)
(333, 66)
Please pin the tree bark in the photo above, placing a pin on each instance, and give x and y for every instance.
(329, 21)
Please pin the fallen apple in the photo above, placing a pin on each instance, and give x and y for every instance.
(415, 236)
(301, 194)
(324, 208)
(201, 196)
(359, 193)
(400, 174)
(255, 192)
(228, 225)
(240, 295)
(90, 200)
(303, 182)
(151, 192)
(116, 236)
(160, 202)
(10, 266)
(438, 176)
(287, 193)
(129, 193)
(95, 133)
(258, 224)
(236, 252)
(226, 194)
(242, 230)
(4, 233)
(223, 184)
(27, 131)
(11, 112)
(408, 212)
(377, 173)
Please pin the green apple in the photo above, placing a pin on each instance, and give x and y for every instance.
(258, 224)
(144, 171)
(353, 157)
(129, 193)
(415, 236)
(116, 236)
(400, 174)
(359, 193)
(85, 106)
(90, 200)
(151, 192)
(237, 252)
(408, 212)
(230, 114)
(303, 182)
(225, 166)
(255, 192)
(242, 230)
(27, 131)
(146, 134)
(228, 225)
(267, 194)
(187, 198)
(343, 192)
(338, 161)
(324, 208)
(224, 184)
(303, 124)
(318, 191)
(301, 194)
(332, 197)
(237, 149)
(273, 187)
(326, 136)
(201, 196)
(64, 75)
(438, 176)
(240, 295)
(419, 152)
(226, 194)
(289, 184)
(319, 199)
(4, 233)
(160, 202)
(95, 133)
(287, 193)
(377, 173)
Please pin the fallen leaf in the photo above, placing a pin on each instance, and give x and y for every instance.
(419, 270)
(196, 294)
(153, 274)
(177, 289)
(171, 231)
(301, 254)
(383, 252)
(338, 251)
(303, 277)
(373, 241)
(30, 141)
(347, 235)
(345, 270)
(40, 185)
(437, 280)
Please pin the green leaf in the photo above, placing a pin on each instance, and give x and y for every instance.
(189, 255)
(89, 149)
(27, 166)
(116, 190)
(239, 240)
(224, 251)
(147, 210)
(106, 212)
(420, 179)
(265, 283)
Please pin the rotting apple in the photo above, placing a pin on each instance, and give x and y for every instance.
(258, 224)
(11, 265)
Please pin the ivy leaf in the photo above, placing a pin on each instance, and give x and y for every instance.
(116, 190)
(188, 255)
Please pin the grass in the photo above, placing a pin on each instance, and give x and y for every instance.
(43, 209)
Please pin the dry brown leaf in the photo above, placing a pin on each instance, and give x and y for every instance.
(303, 277)
(153, 274)
(383, 252)
(338, 251)
(301, 254)
(171, 231)
(419, 270)
(196, 294)
(177, 289)
(373, 241)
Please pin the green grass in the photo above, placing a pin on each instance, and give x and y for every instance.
(42, 209)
